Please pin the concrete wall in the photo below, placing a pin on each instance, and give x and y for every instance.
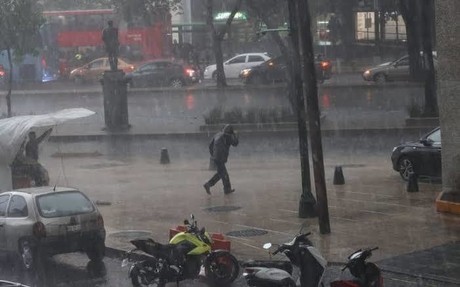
(448, 44)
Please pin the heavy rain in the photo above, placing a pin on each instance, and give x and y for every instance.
(167, 142)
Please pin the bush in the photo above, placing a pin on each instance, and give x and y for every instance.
(233, 116)
(252, 115)
(214, 116)
(414, 110)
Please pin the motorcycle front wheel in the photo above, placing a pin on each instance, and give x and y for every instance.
(144, 274)
(222, 268)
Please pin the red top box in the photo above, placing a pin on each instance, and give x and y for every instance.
(218, 239)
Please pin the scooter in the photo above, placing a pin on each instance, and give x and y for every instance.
(366, 274)
(301, 253)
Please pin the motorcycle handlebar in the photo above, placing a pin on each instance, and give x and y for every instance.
(284, 247)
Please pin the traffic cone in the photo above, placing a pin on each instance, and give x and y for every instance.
(412, 183)
(164, 159)
(338, 176)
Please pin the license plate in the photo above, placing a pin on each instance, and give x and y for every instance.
(74, 228)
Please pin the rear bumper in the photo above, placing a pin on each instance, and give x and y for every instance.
(70, 243)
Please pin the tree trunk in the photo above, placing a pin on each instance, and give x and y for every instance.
(217, 48)
(431, 103)
(10, 82)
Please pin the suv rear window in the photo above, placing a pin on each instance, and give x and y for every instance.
(63, 204)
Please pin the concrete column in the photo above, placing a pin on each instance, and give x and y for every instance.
(115, 91)
(448, 75)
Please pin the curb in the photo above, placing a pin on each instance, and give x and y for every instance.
(259, 132)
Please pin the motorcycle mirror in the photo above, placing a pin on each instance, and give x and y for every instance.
(186, 222)
(267, 245)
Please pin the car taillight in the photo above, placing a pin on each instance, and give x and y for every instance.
(39, 230)
(190, 72)
(100, 221)
(2, 73)
(325, 64)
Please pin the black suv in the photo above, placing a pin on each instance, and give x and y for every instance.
(162, 73)
(275, 70)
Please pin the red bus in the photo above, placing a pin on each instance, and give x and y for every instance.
(79, 31)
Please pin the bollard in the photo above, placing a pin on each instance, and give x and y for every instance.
(212, 165)
(338, 176)
(164, 159)
(412, 183)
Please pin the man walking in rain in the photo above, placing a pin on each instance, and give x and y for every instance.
(110, 38)
(219, 148)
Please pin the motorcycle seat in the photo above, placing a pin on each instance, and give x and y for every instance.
(280, 264)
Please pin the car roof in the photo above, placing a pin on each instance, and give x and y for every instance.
(42, 190)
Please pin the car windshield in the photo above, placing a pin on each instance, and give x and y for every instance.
(63, 204)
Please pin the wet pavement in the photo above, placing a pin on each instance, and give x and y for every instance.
(138, 194)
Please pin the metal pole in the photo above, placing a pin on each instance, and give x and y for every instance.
(311, 92)
(307, 203)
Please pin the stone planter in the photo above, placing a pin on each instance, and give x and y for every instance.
(283, 126)
(422, 122)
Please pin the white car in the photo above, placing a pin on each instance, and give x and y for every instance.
(233, 66)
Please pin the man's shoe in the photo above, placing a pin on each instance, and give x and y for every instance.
(207, 188)
(229, 191)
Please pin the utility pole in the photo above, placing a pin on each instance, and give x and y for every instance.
(307, 203)
(311, 92)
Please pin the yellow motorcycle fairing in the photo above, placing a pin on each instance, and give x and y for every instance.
(200, 246)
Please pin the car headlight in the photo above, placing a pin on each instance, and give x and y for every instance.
(367, 72)
(395, 148)
(245, 72)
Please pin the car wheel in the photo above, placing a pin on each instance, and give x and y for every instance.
(96, 250)
(380, 78)
(27, 256)
(176, 83)
(405, 167)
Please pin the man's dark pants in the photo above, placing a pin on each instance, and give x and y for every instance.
(221, 174)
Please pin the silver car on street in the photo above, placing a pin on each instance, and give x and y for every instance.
(45, 221)
(397, 70)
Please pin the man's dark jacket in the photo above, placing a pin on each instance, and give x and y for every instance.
(221, 142)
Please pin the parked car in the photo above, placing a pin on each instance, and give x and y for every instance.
(275, 70)
(93, 70)
(397, 70)
(423, 157)
(233, 66)
(44, 221)
(161, 73)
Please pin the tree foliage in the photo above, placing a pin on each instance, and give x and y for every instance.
(147, 9)
(76, 4)
(20, 21)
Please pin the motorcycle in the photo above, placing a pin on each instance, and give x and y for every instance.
(187, 256)
(366, 274)
(301, 253)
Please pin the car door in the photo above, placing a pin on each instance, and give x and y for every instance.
(96, 69)
(144, 76)
(434, 166)
(399, 71)
(233, 66)
(163, 73)
(4, 198)
(17, 224)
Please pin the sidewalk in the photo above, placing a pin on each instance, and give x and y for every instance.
(138, 197)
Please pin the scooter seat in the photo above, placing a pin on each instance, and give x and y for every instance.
(280, 264)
